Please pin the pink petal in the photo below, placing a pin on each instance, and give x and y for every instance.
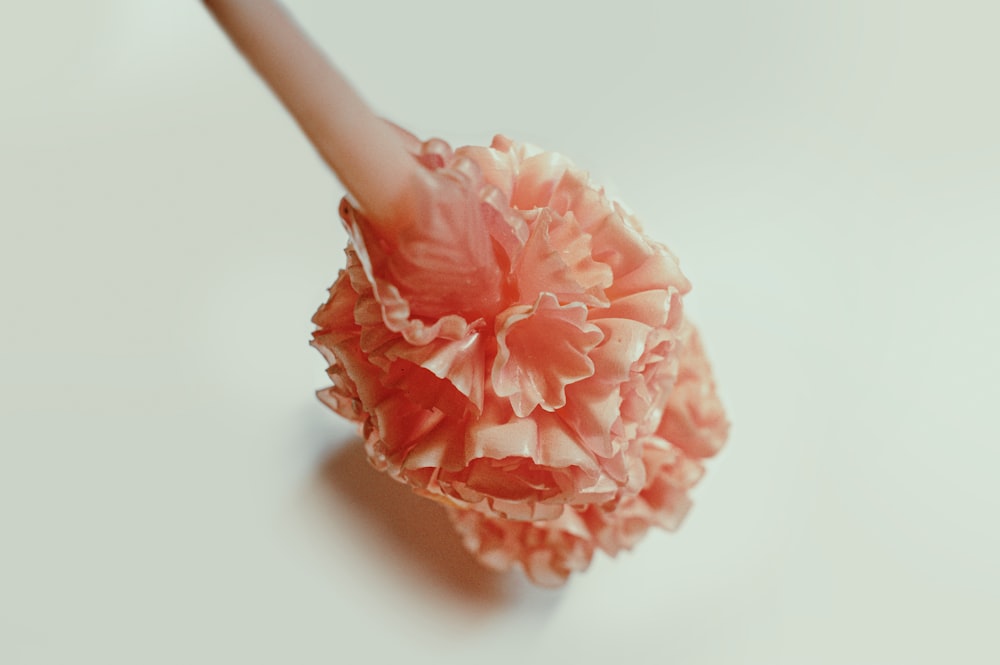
(542, 348)
(547, 550)
(445, 374)
(694, 419)
(556, 259)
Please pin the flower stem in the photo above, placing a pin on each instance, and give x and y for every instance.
(364, 152)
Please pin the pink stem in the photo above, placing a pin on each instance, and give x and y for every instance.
(364, 151)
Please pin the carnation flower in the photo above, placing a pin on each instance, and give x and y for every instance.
(550, 550)
(511, 352)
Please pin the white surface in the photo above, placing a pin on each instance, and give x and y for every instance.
(170, 490)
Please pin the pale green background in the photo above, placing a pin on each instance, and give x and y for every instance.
(171, 492)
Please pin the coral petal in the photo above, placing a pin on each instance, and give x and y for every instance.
(542, 349)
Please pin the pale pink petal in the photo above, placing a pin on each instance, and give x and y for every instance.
(547, 550)
(575, 193)
(394, 308)
(592, 408)
(536, 461)
(537, 177)
(618, 244)
(496, 166)
(542, 348)
(663, 500)
(656, 271)
(445, 374)
(645, 393)
(694, 419)
(557, 259)
(508, 227)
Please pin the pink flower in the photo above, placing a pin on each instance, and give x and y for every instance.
(510, 351)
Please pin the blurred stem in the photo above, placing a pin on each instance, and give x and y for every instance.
(363, 150)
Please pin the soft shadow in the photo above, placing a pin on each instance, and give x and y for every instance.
(416, 525)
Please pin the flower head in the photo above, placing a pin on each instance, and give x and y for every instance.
(512, 353)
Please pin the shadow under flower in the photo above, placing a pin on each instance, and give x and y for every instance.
(415, 525)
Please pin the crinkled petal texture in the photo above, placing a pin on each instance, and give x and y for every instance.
(516, 350)
(549, 550)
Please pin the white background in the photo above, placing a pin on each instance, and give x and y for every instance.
(171, 491)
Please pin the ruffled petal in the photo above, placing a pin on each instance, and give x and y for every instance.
(550, 550)
(663, 500)
(445, 374)
(337, 339)
(394, 310)
(694, 419)
(618, 244)
(497, 167)
(557, 259)
(541, 349)
(656, 271)
(439, 255)
(575, 193)
(547, 550)
(533, 461)
(537, 178)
